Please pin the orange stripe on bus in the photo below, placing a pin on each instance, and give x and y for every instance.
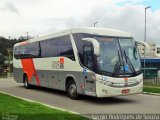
(29, 69)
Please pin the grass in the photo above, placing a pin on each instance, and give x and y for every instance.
(14, 107)
(151, 89)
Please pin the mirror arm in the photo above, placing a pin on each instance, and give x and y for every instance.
(95, 44)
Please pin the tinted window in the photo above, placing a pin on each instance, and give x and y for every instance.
(49, 48)
(55, 47)
(30, 50)
(80, 44)
(88, 57)
(60, 46)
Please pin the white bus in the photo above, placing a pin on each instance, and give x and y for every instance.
(90, 61)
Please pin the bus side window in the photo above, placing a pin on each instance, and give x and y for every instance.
(88, 56)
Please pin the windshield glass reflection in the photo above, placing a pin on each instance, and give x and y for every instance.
(118, 56)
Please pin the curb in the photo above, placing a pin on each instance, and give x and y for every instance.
(149, 93)
(53, 107)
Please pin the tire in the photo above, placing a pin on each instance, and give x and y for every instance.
(72, 90)
(26, 84)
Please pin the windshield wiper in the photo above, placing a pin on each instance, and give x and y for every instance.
(120, 58)
(118, 65)
(129, 62)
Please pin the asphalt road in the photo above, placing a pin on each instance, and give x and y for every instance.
(86, 105)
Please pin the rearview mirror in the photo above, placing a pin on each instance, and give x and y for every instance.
(94, 43)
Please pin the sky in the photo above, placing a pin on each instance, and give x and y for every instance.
(42, 17)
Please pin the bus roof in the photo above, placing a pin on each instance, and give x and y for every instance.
(101, 31)
(87, 30)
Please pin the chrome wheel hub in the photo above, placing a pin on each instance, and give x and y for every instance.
(73, 89)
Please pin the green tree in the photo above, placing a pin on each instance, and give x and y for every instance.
(1, 59)
(6, 49)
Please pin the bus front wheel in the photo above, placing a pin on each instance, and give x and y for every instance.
(72, 90)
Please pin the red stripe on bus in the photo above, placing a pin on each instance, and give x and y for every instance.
(29, 69)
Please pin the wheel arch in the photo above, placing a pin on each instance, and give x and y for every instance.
(68, 78)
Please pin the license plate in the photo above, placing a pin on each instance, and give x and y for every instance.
(125, 91)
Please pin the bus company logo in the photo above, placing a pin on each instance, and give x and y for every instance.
(55, 65)
(58, 64)
(61, 63)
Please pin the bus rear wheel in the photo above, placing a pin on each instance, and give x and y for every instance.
(26, 84)
(72, 90)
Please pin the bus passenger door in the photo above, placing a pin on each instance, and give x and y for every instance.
(87, 72)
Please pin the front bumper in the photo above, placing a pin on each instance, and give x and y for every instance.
(108, 91)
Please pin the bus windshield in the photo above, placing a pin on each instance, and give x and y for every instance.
(118, 57)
